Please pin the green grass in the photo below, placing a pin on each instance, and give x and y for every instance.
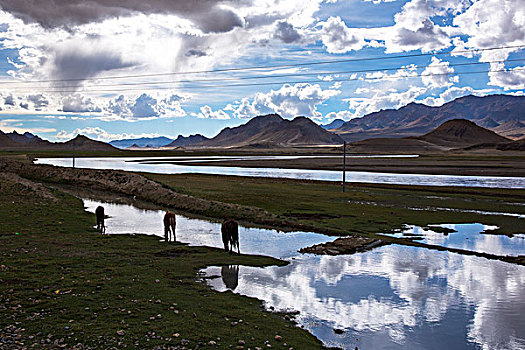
(363, 208)
(60, 278)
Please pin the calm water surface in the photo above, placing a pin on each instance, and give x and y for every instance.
(152, 165)
(467, 237)
(393, 297)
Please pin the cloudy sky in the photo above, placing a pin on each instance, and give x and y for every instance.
(113, 69)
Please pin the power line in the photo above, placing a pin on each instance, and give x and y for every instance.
(292, 82)
(276, 76)
(276, 66)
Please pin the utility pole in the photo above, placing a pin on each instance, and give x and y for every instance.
(73, 153)
(344, 165)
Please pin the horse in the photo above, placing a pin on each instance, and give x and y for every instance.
(169, 226)
(230, 235)
(99, 212)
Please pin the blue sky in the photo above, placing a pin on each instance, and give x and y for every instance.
(118, 69)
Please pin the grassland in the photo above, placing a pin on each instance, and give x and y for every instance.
(363, 209)
(62, 284)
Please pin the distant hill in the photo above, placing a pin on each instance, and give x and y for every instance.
(414, 119)
(273, 130)
(336, 123)
(453, 134)
(35, 143)
(184, 141)
(142, 142)
(83, 143)
(461, 133)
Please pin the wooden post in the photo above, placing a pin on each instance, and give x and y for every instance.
(344, 165)
(73, 153)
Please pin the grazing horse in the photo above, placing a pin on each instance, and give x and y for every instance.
(169, 226)
(99, 212)
(230, 235)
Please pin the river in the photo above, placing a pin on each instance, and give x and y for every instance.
(165, 166)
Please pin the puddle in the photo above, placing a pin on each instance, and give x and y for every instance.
(467, 237)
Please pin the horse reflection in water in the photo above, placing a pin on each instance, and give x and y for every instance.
(230, 276)
(230, 235)
(169, 226)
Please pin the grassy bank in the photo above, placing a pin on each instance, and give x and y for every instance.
(64, 284)
(363, 208)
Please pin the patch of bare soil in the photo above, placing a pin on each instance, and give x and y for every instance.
(344, 245)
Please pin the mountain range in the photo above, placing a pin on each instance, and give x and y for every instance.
(141, 142)
(273, 131)
(28, 141)
(185, 141)
(504, 114)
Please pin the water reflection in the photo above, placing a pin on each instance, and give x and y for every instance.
(397, 297)
(143, 165)
(467, 237)
(125, 219)
(230, 276)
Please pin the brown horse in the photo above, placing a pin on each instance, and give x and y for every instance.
(99, 212)
(169, 226)
(230, 235)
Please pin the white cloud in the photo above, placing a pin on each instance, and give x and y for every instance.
(209, 113)
(145, 106)
(289, 101)
(338, 38)
(452, 93)
(76, 103)
(383, 99)
(438, 74)
(493, 23)
(99, 134)
(509, 79)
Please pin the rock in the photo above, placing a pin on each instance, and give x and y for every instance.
(278, 337)
(121, 332)
(338, 331)
(241, 342)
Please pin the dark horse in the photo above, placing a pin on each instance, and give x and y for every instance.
(99, 212)
(230, 235)
(169, 226)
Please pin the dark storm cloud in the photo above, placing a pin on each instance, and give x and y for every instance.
(287, 33)
(208, 15)
(79, 64)
(196, 53)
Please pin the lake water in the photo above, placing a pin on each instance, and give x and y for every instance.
(393, 297)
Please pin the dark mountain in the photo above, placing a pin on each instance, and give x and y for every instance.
(336, 123)
(416, 119)
(184, 141)
(272, 130)
(25, 138)
(461, 133)
(142, 142)
(453, 134)
(83, 143)
(6, 141)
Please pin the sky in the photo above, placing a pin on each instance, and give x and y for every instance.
(114, 69)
